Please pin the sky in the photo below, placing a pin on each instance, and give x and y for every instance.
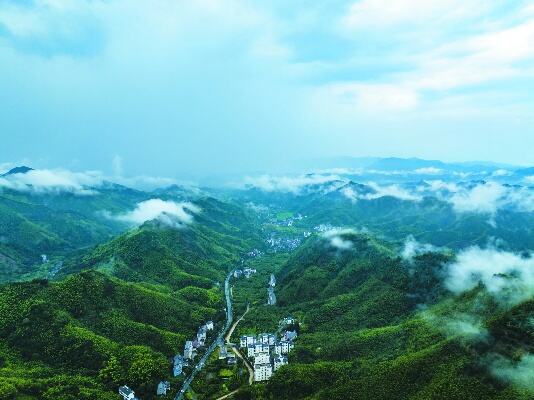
(200, 87)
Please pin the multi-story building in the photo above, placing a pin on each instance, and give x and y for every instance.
(262, 372)
(283, 347)
(246, 340)
(262, 358)
(278, 361)
(178, 365)
(251, 350)
(188, 350)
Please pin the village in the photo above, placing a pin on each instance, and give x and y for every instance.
(267, 351)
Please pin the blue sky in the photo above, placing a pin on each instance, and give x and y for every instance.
(183, 88)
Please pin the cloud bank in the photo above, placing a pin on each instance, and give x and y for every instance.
(170, 213)
(41, 181)
(287, 184)
(49, 181)
(482, 197)
(507, 276)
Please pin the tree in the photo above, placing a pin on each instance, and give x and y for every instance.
(112, 372)
(8, 391)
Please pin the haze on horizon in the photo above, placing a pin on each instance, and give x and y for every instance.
(189, 88)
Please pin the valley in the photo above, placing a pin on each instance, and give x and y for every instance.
(389, 295)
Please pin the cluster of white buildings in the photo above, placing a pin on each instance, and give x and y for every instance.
(283, 244)
(254, 253)
(268, 353)
(191, 346)
(246, 272)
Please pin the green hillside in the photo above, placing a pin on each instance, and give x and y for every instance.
(85, 335)
(365, 334)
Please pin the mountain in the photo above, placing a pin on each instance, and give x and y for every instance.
(117, 312)
(373, 325)
(156, 253)
(407, 164)
(55, 225)
(17, 170)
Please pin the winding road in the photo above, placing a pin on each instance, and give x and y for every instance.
(213, 345)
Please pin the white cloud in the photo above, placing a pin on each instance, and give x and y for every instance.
(289, 184)
(489, 197)
(168, 212)
(392, 191)
(336, 240)
(438, 64)
(350, 194)
(439, 185)
(519, 373)
(529, 179)
(58, 180)
(369, 14)
(80, 183)
(501, 172)
(509, 277)
(482, 198)
(413, 248)
(370, 97)
(380, 191)
(428, 171)
(465, 326)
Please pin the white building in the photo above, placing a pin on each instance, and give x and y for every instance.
(279, 361)
(266, 338)
(272, 281)
(178, 365)
(188, 350)
(262, 372)
(251, 350)
(283, 347)
(127, 393)
(288, 321)
(271, 339)
(260, 347)
(201, 334)
(163, 388)
(262, 358)
(209, 325)
(246, 341)
(238, 273)
(290, 335)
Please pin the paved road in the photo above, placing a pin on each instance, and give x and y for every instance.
(211, 348)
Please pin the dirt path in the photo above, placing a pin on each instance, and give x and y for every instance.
(231, 330)
(247, 364)
(236, 351)
(227, 395)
